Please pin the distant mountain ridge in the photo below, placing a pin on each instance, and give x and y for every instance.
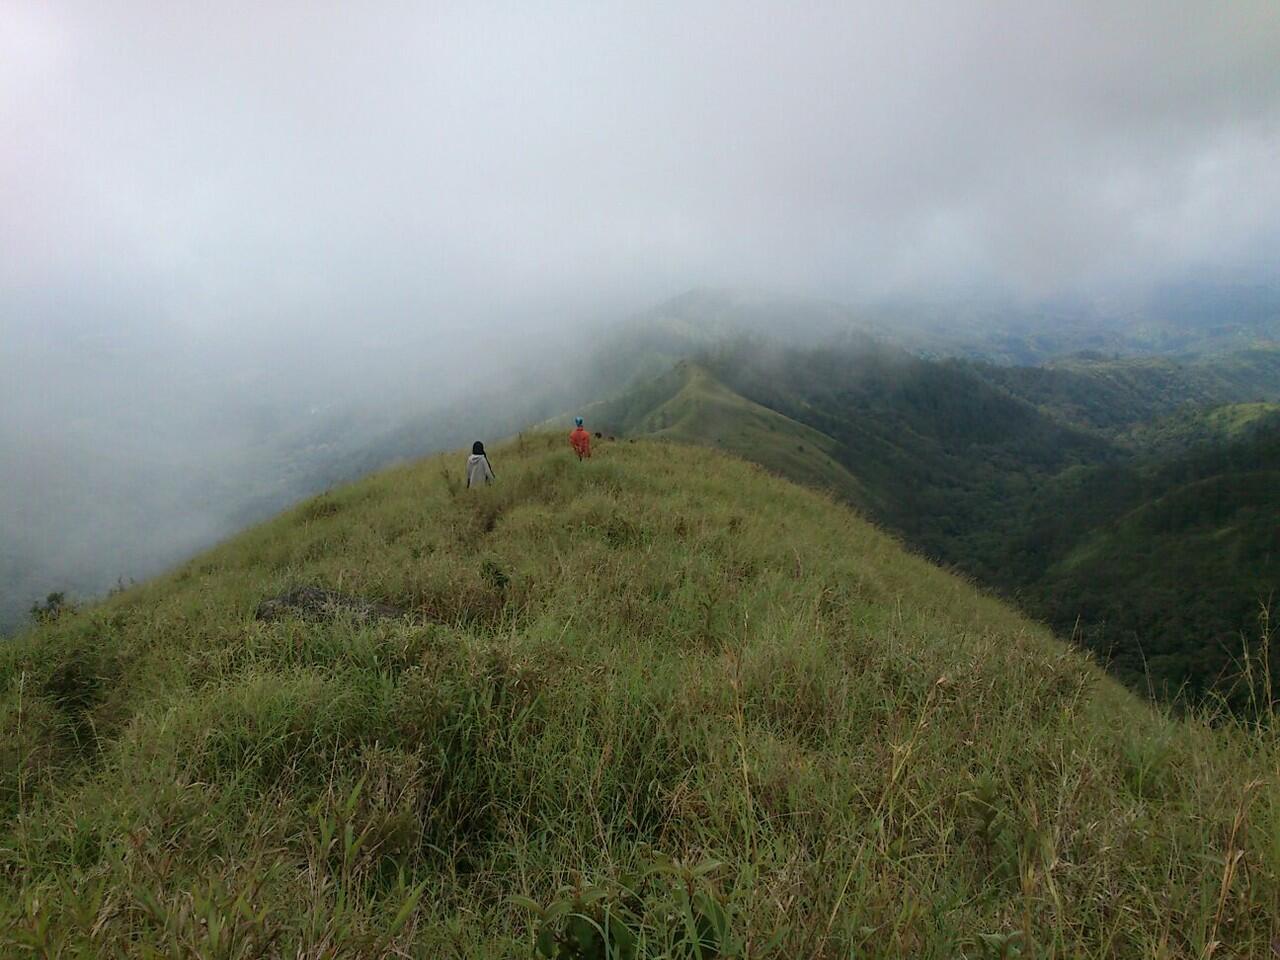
(85, 543)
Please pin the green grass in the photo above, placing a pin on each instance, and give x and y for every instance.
(688, 405)
(973, 477)
(660, 689)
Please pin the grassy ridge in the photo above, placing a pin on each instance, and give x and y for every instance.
(660, 653)
(689, 405)
(969, 474)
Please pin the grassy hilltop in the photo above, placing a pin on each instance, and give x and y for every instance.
(1151, 540)
(730, 717)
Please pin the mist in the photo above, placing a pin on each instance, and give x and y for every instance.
(239, 242)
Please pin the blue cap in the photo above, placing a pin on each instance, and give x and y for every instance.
(577, 421)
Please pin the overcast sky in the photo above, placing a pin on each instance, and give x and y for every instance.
(248, 165)
(225, 226)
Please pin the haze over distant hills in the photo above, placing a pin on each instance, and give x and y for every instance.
(131, 495)
(934, 354)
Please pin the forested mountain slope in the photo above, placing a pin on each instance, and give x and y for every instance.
(1114, 394)
(1168, 566)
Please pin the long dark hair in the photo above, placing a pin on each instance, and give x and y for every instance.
(478, 447)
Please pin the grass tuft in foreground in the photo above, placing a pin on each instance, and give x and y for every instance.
(659, 704)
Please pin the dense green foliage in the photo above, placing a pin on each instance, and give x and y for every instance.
(1202, 427)
(659, 699)
(1166, 566)
(1112, 395)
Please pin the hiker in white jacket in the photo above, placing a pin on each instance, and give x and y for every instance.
(478, 470)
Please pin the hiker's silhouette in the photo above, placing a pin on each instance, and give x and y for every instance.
(580, 440)
(479, 472)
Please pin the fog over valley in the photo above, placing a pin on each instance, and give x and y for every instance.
(248, 251)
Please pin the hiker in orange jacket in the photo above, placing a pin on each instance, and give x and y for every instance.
(580, 439)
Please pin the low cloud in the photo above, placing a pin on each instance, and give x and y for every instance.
(215, 219)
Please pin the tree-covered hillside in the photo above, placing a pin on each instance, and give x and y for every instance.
(1168, 567)
(1112, 395)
